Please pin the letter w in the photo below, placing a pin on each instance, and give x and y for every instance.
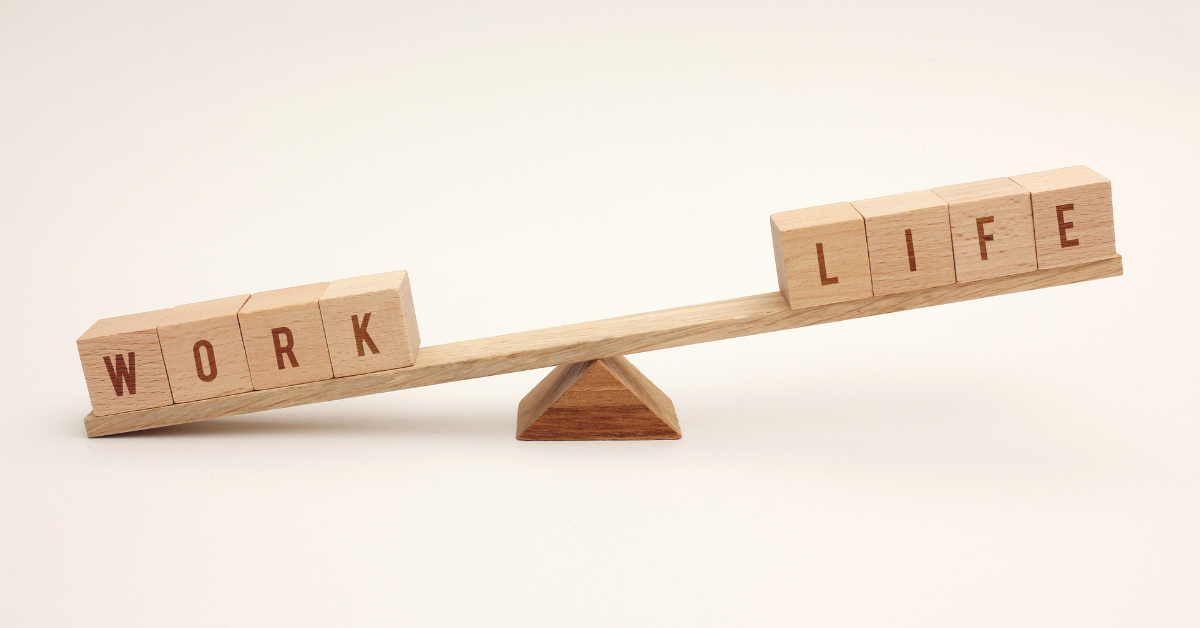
(124, 373)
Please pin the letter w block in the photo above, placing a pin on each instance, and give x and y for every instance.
(370, 324)
(123, 364)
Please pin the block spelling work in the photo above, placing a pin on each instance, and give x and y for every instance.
(821, 255)
(370, 324)
(123, 365)
(991, 223)
(203, 351)
(1072, 215)
(908, 238)
(284, 337)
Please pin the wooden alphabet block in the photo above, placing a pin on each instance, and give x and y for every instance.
(908, 238)
(202, 348)
(284, 337)
(992, 227)
(370, 323)
(123, 364)
(821, 255)
(1072, 216)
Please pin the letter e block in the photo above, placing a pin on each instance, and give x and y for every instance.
(284, 338)
(908, 237)
(123, 364)
(992, 226)
(821, 255)
(1072, 216)
(202, 348)
(370, 324)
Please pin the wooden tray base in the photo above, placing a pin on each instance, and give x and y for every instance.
(605, 399)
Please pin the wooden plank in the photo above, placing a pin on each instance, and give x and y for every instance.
(590, 341)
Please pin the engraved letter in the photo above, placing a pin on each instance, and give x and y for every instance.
(825, 281)
(983, 239)
(360, 333)
(1063, 226)
(280, 350)
(912, 255)
(122, 373)
(212, 360)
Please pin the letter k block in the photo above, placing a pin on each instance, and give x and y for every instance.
(370, 324)
(284, 337)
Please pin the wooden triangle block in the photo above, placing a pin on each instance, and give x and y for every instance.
(606, 399)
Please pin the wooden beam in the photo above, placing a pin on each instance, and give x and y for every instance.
(590, 341)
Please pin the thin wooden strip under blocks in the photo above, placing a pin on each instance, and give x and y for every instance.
(352, 337)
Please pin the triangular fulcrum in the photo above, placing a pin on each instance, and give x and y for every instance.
(607, 399)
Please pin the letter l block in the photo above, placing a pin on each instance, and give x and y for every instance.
(821, 255)
(123, 364)
(284, 338)
(370, 323)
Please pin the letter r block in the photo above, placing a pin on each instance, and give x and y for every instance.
(821, 255)
(202, 347)
(908, 236)
(370, 324)
(284, 338)
(1072, 216)
(123, 364)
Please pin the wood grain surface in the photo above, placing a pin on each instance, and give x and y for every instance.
(606, 399)
(594, 340)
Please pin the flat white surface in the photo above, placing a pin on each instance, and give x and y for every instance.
(1027, 460)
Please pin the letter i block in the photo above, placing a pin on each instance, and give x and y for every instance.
(370, 324)
(284, 338)
(202, 348)
(992, 226)
(123, 364)
(908, 237)
(821, 255)
(1072, 216)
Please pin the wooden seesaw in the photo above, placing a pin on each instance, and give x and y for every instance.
(355, 337)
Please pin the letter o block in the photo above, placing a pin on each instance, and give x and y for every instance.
(370, 324)
(1072, 215)
(284, 338)
(203, 351)
(123, 364)
(821, 255)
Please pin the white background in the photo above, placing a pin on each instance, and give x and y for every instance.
(1024, 460)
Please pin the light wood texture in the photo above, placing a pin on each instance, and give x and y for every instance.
(284, 337)
(606, 399)
(203, 351)
(908, 238)
(1083, 230)
(123, 364)
(370, 324)
(821, 255)
(999, 210)
(594, 340)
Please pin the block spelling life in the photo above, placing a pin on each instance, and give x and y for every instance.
(202, 348)
(370, 323)
(284, 337)
(991, 223)
(1072, 216)
(123, 364)
(821, 255)
(908, 238)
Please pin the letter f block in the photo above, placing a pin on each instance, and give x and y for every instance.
(821, 255)
(284, 338)
(123, 364)
(370, 324)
